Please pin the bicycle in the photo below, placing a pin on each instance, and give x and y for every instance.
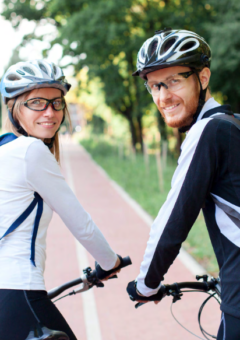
(88, 280)
(212, 287)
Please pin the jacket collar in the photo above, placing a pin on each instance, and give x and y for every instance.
(211, 103)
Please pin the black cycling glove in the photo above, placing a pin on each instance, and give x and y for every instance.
(102, 274)
(134, 296)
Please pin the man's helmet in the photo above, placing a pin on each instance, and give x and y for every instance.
(169, 48)
(29, 75)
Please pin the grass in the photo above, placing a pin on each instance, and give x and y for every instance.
(142, 185)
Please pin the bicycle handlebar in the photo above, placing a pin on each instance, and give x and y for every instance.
(102, 274)
(205, 286)
(88, 279)
(175, 288)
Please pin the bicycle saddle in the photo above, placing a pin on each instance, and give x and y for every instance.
(40, 332)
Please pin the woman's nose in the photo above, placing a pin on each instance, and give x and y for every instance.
(50, 112)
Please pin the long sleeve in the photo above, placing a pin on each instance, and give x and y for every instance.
(191, 183)
(44, 176)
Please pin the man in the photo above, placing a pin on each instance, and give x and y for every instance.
(176, 67)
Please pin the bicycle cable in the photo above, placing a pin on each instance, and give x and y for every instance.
(61, 297)
(199, 314)
(205, 333)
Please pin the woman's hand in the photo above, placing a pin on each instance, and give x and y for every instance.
(117, 264)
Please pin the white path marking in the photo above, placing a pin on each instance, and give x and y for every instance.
(189, 262)
(93, 330)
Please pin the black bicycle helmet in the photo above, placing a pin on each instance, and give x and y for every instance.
(168, 48)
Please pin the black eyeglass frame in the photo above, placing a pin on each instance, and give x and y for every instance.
(49, 101)
(184, 74)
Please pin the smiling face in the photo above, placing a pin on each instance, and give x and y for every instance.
(178, 107)
(41, 124)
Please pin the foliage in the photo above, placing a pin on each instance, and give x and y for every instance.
(98, 124)
(225, 45)
(131, 174)
(106, 35)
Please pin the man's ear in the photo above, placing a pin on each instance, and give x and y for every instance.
(204, 76)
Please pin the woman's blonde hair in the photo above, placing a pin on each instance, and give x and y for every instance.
(55, 150)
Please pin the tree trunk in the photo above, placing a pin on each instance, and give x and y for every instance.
(178, 136)
(133, 132)
(140, 136)
(162, 126)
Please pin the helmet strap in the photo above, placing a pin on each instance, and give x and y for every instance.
(201, 102)
(50, 144)
(14, 123)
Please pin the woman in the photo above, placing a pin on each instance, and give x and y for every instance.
(31, 186)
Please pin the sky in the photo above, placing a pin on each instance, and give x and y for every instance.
(11, 38)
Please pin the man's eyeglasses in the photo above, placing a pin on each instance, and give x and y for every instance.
(172, 83)
(41, 104)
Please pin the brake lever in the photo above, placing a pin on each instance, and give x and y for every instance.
(139, 304)
(85, 285)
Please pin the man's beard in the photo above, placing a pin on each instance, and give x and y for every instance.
(185, 119)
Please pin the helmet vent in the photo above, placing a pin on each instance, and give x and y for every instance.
(11, 89)
(143, 55)
(188, 46)
(167, 45)
(43, 68)
(28, 70)
(13, 77)
(152, 47)
(54, 69)
(166, 34)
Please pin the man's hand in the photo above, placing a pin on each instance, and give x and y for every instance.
(137, 296)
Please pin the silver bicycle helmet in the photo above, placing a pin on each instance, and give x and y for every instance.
(28, 75)
(169, 48)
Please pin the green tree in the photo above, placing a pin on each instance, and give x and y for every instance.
(225, 44)
(109, 34)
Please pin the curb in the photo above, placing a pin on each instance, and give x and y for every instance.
(189, 262)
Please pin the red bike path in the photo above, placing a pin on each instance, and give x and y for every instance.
(110, 313)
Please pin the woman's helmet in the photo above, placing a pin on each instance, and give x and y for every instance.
(169, 48)
(29, 75)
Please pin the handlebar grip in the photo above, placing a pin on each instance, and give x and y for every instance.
(126, 261)
(102, 274)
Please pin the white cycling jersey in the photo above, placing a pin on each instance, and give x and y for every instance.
(27, 166)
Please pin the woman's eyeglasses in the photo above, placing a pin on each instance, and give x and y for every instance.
(41, 104)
